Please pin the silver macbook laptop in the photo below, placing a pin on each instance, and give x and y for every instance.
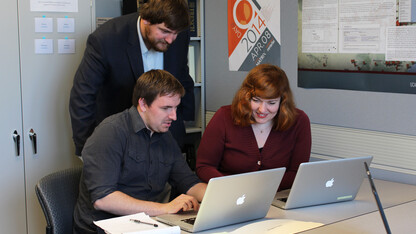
(324, 182)
(229, 200)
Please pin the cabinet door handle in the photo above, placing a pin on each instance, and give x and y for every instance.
(32, 136)
(16, 138)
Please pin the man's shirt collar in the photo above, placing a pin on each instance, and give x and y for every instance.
(142, 44)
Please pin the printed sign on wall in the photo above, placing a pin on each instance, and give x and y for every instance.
(253, 33)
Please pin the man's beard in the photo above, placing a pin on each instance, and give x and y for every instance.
(155, 44)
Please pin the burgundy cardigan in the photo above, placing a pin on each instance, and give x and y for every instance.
(227, 149)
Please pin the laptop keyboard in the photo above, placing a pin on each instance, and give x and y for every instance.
(190, 220)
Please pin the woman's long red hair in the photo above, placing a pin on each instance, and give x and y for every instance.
(267, 82)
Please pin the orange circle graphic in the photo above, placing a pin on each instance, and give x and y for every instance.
(244, 12)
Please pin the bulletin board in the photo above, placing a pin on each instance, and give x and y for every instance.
(363, 45)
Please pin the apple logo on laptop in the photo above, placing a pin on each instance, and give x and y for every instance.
(329, 183)
(240, 200)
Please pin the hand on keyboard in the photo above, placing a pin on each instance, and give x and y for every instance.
(182, 203)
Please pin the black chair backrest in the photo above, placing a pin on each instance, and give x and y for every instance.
(57, 194)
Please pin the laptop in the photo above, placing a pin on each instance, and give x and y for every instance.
(323, 182)
(229, 200)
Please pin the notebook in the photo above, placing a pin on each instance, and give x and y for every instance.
(229, 200)
(324, 182)
(377, 198)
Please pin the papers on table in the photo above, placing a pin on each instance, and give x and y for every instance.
(123, 225)
(274, 226)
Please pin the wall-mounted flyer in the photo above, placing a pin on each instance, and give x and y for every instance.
(43, 25)
(66, 46)
(253, 33)
(65, 25)
(43, 46)
(54, 5)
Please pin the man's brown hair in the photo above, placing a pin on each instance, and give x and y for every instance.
(156, 83)
(174, 13)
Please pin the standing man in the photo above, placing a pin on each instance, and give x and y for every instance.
(122, 49)
(131, 155)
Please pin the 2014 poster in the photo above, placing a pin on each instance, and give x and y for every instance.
(253, 33)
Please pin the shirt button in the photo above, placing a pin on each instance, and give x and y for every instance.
(259, 162)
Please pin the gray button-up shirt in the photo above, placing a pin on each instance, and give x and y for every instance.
(121, 156)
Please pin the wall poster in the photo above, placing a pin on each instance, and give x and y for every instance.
(253, 33)
(357, 45)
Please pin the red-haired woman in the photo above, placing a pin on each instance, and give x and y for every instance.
(261, 129)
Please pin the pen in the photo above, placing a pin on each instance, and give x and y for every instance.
(138, 221)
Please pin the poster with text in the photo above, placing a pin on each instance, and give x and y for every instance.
(363, 45)
(356, 36)
(253, 33)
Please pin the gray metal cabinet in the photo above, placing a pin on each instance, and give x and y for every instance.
(35, 132)
(12, 202)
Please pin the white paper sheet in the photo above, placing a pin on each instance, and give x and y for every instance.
(191, 62)
(405, 10)
(66, 46)
(43, 46)
(66, 25)
(123, 225)
(43, 25)
(276, 226)
(401, 43)
(320, 26)
(54, 5)
(363, 23)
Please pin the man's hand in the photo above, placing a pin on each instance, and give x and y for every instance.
(182, 202)
(119, 203)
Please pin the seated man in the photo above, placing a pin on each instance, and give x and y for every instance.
(131, 155)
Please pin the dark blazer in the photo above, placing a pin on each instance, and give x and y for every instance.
(112, 62)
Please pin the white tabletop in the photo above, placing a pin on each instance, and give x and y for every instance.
(401, 219)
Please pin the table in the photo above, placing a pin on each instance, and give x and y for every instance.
(401, 219)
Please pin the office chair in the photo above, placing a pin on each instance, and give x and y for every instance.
(57, 194)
